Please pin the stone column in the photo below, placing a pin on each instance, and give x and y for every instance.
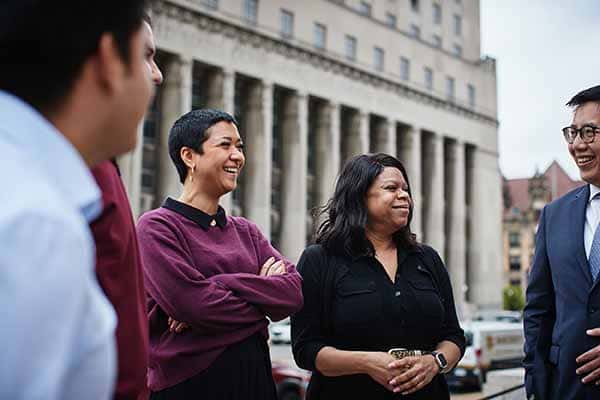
(456, 221)
(383, 139)
(391, 138)
(213, 85)
(357, 135)
(220, 87)
(294, 173)
(176, 100)
(363, 133)
(409, 152)
(328, 149)
(434, 193)
(484, 251)
(258, 125)
(130, 165)
(229, 91)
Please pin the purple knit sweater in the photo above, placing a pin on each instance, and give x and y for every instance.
(209, 279)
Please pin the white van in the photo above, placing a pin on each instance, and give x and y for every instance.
(490, 345)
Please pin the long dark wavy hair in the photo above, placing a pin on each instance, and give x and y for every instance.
(345, 214)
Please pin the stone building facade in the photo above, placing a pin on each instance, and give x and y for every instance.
(315, 82)
(524, 200)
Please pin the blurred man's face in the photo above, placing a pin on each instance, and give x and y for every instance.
(133, 92)
(150, 53)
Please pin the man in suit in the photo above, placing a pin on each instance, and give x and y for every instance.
(562, 314)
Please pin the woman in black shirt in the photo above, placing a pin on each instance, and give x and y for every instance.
(370, 287)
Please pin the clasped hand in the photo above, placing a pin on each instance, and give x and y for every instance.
(406, 375)
(271, 267)
(589, 362)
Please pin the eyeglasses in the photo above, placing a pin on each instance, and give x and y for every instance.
(587, 133)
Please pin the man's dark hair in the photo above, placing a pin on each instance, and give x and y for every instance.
(146, 17)
(192, 130)
(345, 215)
(585, 96)
(45, 43)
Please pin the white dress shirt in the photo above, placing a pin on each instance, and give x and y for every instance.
(592, 217)
(56, 325)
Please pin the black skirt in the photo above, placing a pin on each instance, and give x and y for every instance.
(242, 372)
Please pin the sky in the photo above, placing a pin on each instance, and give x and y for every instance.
(546, 51)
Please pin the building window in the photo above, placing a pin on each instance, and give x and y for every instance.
(391, 20)
(320, 36)
(350, 46)
(415, 31)
(287, 23)
(437, 14)
(428, 78)
(437, 41)
(251, 11)
(457, 50)
(414, 5)
(212, 4)
(404, 69)
(471, 95)
(515, 263)
(364, 8)
(457, 25)
(378, 56)
(450, 92)
(514, 239)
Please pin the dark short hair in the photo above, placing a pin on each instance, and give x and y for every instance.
(147, 18)
(585, 96)
(192, 130)
(45, 43)
(345, 215)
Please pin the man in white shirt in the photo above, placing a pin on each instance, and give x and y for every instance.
(74, 86)
(562, 314)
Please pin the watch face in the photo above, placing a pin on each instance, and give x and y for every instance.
(441, 360)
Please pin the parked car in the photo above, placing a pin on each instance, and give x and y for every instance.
(281, 332)
(490, 345)
(499, 316)
(291, 382)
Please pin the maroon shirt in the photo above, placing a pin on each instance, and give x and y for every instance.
(119, 271)
(207, 275)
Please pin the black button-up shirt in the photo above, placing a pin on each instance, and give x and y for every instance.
(352, 304)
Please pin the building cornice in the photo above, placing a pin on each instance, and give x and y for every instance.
(320, 59)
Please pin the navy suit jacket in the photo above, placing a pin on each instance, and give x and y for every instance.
(562, 303)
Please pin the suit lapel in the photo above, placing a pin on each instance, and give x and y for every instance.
(578, 208)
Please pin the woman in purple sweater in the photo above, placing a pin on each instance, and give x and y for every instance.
(211, 279)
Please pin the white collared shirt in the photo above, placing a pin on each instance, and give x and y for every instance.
(592, 217)
(56, 325)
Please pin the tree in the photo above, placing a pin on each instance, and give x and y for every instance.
(513, 298)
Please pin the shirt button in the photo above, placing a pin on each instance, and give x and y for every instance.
(397, 293)
(593, 310)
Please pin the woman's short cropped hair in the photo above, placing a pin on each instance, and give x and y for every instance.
(192, 130)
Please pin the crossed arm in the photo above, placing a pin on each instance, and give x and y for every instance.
(219, 303)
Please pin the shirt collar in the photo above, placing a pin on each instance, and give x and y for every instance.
(196, 215)
(23, 126)
(594, 190)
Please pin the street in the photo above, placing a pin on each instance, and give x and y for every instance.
(497, 380)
